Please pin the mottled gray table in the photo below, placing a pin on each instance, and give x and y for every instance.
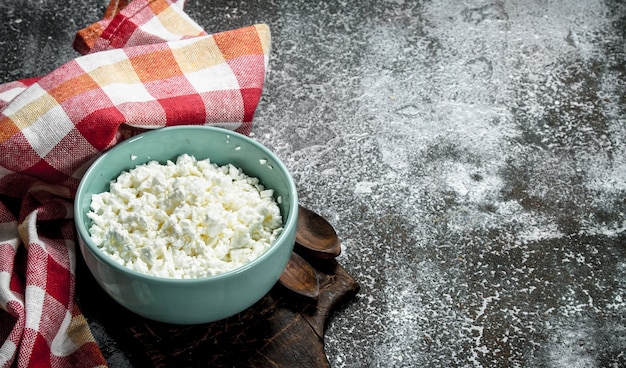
(470, 154)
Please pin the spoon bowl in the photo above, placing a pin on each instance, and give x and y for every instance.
(315, 236)
(300, 277)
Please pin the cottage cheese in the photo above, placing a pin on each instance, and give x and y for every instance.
(187, 219)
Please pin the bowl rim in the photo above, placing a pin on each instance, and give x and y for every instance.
(85, 237)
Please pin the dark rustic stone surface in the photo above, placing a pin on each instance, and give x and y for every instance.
(470, 154)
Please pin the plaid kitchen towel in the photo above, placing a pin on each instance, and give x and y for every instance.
(145, 65)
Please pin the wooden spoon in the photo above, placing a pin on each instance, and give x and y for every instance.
(300, 277)
(315, 236)
(317, 239)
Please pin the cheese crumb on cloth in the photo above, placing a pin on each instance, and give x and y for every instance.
(185, 219)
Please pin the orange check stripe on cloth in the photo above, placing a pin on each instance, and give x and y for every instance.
(212, 79)
(146, 65)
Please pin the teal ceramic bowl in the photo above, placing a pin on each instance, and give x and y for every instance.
(189, 301)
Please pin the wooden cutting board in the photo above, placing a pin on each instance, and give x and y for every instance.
(283, 329)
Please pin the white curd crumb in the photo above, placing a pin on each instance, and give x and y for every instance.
(186, 219)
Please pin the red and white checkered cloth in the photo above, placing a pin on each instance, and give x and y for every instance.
(145, 65)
